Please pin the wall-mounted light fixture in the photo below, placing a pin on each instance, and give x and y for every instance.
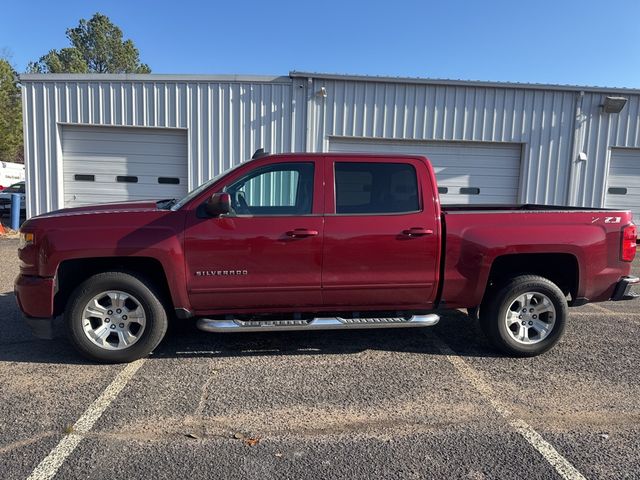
(322, 93)
(613, 104)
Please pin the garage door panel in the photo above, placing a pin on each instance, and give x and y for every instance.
(497, 153)
(94, 158)
(479, 182)
(623, 182)
(176, 168)
(118, 148)
(444, 173)
(144, 134)
(130, 159)
(625, 171)
(100, 198)
(109, 179)
(628, 181)
(494, 168)
(471, 199)
(96, 194)
(140, 190)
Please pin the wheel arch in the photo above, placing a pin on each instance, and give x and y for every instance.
(73, 272)
(561, 268)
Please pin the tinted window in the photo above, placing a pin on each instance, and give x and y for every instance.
(127, 179)
(169, 180)
(84, 178)
(280, 189)
(365, 188)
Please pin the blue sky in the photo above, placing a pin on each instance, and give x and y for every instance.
(584, 42)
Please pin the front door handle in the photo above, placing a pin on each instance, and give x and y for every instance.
(302, 233)
(417, 232)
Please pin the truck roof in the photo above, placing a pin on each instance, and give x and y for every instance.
(300, 156)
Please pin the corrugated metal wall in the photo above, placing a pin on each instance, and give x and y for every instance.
(538, 119)
(596, 134)
(228, 118)
(226, 121)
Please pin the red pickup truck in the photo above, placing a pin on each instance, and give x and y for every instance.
(317, 241)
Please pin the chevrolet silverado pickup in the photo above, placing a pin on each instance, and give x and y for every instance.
(317, 241)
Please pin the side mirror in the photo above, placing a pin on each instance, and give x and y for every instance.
(218, 204)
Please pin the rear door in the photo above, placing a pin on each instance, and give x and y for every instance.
(382, 231)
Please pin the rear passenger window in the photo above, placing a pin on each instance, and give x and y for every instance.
(370, 188)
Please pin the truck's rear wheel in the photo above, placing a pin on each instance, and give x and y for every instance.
(526, 316)
(115, 317)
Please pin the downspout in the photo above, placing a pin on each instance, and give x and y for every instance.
(576, 154)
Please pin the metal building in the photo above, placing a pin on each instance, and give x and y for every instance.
(97, 138)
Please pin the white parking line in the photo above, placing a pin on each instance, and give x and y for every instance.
(550, 454)
(48, 467)
(595, 306)
(600, 311)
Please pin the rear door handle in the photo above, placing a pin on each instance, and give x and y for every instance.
(302, 233)
(417, 232)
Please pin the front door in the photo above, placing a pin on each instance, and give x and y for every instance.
(267, 252)
(381, 237)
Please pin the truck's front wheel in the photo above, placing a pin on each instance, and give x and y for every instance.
(526, 316)
(115, 317)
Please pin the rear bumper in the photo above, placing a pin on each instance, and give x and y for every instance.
(624, 289)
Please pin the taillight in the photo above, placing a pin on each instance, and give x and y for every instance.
(629, 235)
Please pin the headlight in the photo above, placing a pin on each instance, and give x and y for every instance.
(26, 238)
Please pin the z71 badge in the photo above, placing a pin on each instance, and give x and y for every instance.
(607, 219)
(220, 273)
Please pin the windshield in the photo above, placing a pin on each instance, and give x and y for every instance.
(197, 191)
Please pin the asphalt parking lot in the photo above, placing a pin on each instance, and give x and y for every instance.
(417, 403)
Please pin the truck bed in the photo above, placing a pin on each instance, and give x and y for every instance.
(453, 208)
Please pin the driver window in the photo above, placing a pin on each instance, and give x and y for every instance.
(280, 189)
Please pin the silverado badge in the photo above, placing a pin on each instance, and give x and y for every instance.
(219, 273)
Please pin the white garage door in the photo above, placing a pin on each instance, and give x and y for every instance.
(623, 185)
(467, 173)
(112, 164)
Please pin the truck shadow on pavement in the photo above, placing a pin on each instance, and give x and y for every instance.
(17, 344)
(183, 340)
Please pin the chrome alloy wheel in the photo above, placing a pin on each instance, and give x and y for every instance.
(113, 320)
(530, 318)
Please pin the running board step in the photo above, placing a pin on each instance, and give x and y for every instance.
(333, 323)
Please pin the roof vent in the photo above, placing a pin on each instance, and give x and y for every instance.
(259, 153)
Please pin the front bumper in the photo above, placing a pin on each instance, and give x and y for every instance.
(624, 289)
(35, 298)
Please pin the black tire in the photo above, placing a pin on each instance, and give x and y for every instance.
(142, 290)
(494, 311)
